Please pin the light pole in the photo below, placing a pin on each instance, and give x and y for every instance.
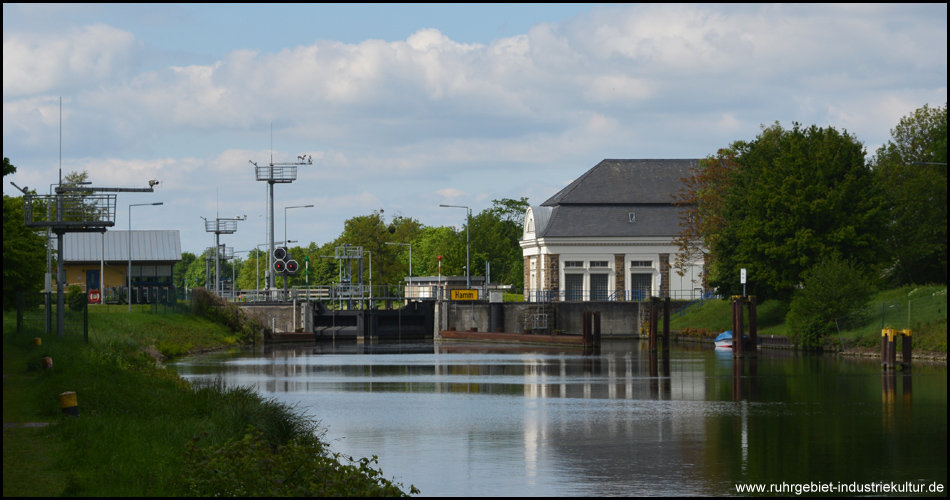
(410, 260)
(129, 291)
(468, 264)
(285, 217)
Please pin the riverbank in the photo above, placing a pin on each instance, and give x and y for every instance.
(144, 431)
(922, 309)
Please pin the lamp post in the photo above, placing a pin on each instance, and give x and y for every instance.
(410, 260)
(129, 291)
(468, 264)
(285, 217)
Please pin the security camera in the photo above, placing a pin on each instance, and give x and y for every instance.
(152, 183)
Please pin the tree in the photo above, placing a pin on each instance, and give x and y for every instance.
(372, 233)
(822, 299)
(702, 198)
(908, 167)
(494, 239)
(24, 251)
(433, 242)
(792, 198)
(181, 268)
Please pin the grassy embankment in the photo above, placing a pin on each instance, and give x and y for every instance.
(144, 431)
(923, 309)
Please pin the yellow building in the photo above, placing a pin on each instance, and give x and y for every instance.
(101, 261)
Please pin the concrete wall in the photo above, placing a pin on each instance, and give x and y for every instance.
(282, 318)
(617, 318)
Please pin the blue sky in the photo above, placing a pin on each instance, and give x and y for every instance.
(405, 107)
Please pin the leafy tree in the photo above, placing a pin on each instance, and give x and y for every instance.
(494, 238)
(433, 242)
(909, 168)
(793, 198)
(702, 199)
(830, 290)
(372, 232)
(8, 167)
(181, 268)
(24, 251)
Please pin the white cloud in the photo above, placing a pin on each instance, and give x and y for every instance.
(85, 56)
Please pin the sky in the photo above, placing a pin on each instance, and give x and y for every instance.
(405, 107)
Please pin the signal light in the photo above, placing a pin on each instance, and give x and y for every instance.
(284, 263)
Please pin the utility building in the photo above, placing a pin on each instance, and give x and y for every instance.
(100, 261)
(609, 236)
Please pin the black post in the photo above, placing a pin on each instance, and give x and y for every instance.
(654, 316)
(753, 328)
(596, 316)
(666, 325)
(738, 337)
(905, 349)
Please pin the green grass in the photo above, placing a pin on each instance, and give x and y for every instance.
(923, 309)
(136, 417)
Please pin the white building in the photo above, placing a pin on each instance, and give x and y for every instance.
(609, 236)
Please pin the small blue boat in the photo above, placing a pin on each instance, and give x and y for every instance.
(724, 339)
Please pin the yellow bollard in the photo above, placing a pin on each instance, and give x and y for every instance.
(37, 341)
(68, 403)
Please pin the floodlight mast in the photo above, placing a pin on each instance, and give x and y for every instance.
(274, 173)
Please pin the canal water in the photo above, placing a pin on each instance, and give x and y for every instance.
(489, 420)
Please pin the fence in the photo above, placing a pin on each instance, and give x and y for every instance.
(615, 296)
(36, 315)
(896, 314)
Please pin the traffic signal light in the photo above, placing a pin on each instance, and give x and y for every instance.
(284, 263)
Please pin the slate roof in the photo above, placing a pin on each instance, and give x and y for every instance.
(146, 246)
(626, 182)
(599, 203)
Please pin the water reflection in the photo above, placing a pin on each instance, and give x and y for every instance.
(463, 419)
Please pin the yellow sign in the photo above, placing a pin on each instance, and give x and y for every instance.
(464, 294)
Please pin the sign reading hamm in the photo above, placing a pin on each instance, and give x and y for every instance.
(464, 294)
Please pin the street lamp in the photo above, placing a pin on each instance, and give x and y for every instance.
(285, 217)
(468, 264)
(410, 260)
(129, 291)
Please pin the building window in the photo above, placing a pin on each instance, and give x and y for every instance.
(598, 286)
(573, 263)
(641, 263)
(640, 286)
(573, 287)
(599, 263)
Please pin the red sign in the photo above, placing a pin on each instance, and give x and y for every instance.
(94, 297)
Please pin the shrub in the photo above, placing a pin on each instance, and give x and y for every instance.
(75, 299)
(831, 289)
(208, 305)
(302, 467)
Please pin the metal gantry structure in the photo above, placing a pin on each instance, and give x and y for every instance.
(72, 210)
(276, 173)
(220, 226)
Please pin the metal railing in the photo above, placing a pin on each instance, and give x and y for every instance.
(68, 210)
(614, 296)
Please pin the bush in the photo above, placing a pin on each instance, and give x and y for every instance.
(208, 305)
(302, 467)
(831, 289)
(75, 299)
